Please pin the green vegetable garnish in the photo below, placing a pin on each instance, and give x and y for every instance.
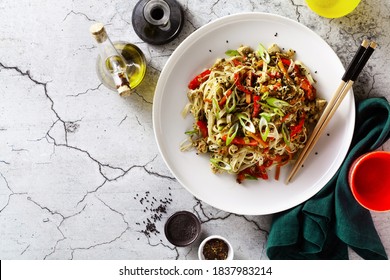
(286, 134)
(231, 134)
(267, 116)
(231, 103)
(191, 132)
(263, 54)
(264, 128)
(216, 107)
(246, 123)
(232, 53)
(218, 163)
(274, 102)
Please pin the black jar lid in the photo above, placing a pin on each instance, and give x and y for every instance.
(147, 16)
(182, 228)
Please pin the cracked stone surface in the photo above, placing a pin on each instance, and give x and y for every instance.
(80, 173)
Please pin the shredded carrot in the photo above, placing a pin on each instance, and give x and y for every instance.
(258, 139)
(277, 172)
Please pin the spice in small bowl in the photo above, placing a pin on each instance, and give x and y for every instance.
(182, 228)
(215, 247)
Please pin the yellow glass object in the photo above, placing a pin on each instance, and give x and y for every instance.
(135, 65)
(332, 8)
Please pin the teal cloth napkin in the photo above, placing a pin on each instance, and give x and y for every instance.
(325, 225)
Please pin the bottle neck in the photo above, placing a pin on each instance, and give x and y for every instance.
(107, 49)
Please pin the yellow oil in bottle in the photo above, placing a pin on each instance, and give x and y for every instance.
(115, 63)
(134, 63)
(332, 8)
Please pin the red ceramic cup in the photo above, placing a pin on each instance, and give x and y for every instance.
(369, 179)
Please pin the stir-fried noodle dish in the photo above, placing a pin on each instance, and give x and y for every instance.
(252, 111)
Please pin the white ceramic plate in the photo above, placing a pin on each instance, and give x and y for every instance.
(199, 51)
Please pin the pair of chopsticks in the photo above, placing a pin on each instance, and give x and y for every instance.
(354, 68)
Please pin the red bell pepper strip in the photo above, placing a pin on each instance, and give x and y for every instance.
(240, 177)
(285, 117)
(237, 62)
(285, 61)
(309, 89)
(202, 128)
(262, 173)
(254, 171)
(198, 80)
(256, 106)
(267, 163)
(296, 129)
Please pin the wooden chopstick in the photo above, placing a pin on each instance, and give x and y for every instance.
(355, 67)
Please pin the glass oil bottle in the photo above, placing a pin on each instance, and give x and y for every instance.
(121, 66)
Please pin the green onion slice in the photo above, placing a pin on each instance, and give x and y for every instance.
(263, 54)
(246, 122)
(231, 103)
(286, 134)
(219, 163)
(274, 102)
(267, 116)
(231, 134)
(278, 112)
(264, 128)
(191, 132)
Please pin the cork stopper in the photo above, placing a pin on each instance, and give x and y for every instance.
(98, 32)
(124, 90)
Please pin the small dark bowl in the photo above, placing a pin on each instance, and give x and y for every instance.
(182, 228)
